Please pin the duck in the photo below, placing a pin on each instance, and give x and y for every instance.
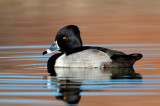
(72, 53)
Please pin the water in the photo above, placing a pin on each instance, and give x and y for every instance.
(24, 78)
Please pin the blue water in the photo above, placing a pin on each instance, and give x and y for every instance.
(27, 101)
(25, 74)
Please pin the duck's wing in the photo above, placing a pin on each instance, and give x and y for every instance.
(115, 55)
(126, 60)
(111, 52)
(126, 57)
(118, 55)
(120, 59)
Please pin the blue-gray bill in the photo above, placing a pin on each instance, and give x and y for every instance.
(52, 49)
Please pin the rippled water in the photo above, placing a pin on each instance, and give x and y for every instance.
(24, 78)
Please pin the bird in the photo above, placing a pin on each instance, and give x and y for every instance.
(72, 53)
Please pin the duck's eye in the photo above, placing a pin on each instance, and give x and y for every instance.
(64, 37)
(64, 97)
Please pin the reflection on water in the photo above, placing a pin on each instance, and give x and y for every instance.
(24, 78)
(71, 82)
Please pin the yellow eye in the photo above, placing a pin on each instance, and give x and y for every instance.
(64, 37)
(64, 97)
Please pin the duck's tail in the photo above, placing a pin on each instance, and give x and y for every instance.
(137, 56)
(125, 60)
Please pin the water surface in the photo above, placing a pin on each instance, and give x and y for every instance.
(24, 78)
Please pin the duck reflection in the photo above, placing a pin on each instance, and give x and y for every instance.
(69, 80)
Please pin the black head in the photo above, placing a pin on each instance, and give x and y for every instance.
(68, 38)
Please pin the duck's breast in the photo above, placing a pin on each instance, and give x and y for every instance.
(85, 58)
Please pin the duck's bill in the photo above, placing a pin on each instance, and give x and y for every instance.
(53, 48)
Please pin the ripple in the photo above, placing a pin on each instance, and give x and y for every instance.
(116, 93)
(26, 101)
(29, 94)
(41, 84)
(82, 94)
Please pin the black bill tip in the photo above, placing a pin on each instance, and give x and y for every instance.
(45, 52)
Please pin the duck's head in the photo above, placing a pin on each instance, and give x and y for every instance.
(66, 39)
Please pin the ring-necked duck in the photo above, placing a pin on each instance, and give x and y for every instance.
(74, 54)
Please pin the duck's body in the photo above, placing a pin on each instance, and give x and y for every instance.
(94, 57)
(74, 54)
